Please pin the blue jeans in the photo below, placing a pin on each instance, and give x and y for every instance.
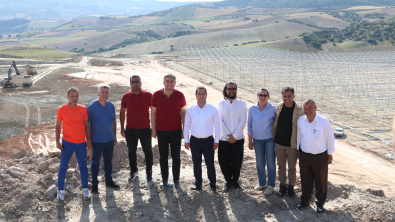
(66, 153)
(107, 150)
(264, 153)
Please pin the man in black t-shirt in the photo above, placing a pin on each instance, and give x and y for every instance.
(284, 134)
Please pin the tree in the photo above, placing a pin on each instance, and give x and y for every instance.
(9, 36)
(171, 48)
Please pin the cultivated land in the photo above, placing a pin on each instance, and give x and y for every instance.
(25, 197)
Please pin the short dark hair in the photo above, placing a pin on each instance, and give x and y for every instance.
(309, 101)
(201, 87)
(135, 76)
(288, 89)
(226, 86)
(169, 76)
(263, 89)
(74, 89)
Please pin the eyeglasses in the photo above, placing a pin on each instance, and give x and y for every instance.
(231, 89)
(263, 95)
(134, 82)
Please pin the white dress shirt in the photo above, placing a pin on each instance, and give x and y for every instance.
(201, 122)
(233, 118)
(315, 137)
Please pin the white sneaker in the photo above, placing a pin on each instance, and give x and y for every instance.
(269, 190)
(260, 187)
(86, 194)
(61, 195)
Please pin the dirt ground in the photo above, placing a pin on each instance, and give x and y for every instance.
(353, 175)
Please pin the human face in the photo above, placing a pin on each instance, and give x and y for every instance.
(231, 90)
(135, 84)
(263, 97)
(169, 84)
(201, 96)
(309, 110)
(288, 98)
(103, 94)
(73, 98)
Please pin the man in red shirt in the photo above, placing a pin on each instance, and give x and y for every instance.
(74, 119)
(137, 103)
(167, 115)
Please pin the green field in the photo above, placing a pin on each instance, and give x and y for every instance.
(34, 53)
(196, 20)
(50, 40)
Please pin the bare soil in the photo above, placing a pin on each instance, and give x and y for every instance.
(25, 198)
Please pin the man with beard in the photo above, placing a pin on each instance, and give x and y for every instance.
(137, 103)
(233, 117)
(167, 115)
(103, 125)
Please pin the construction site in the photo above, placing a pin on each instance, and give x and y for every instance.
(353, 91)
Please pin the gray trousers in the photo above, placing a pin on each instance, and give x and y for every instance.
(284, 154)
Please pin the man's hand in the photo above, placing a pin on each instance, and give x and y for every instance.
(187, 146)
(88, 145)
(182, 134)
(59, 145)
(123, 132)
(250, 145)
(231, 139)
(298, 154)
(153, 133)
(330, 158)
(115, 141)
(215, 146)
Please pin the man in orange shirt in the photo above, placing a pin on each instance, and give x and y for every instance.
(74, 118)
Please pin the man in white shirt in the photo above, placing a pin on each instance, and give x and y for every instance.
(233, 117)
(201, 119)
(315, 144)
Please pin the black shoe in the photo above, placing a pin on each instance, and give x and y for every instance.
(196, 188)
(301, 206)
(112, 184)
(282, 191)
(213, 190)
(133, 176)
(321, 209)
(236, 185)
(149, 178)
(291, 191)
(226, 187)
(95, 189)
(177, 184)
(165, 184)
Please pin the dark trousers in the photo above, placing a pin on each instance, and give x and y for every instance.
(132, 137)
(172, 138)
(314, 169)
(106, 150)
(230, 158)
(205, 147)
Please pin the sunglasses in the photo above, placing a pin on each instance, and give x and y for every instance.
(262, 95)
(231, 89)
(134, 82)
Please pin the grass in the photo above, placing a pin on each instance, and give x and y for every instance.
(196, 20)
(29, 52)
(49, 40)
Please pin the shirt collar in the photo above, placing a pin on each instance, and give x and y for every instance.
(314, 120)
(197, 105)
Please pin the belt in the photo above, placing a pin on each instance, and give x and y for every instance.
(310, 154)
(202, 138)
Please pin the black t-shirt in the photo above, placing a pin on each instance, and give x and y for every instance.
(284, 126)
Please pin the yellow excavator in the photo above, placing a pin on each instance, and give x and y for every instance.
(8, 82)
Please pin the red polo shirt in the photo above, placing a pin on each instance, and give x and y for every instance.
(168, 113)
(137, 109)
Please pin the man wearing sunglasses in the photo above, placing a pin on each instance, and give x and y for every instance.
(233, 117)
(284, 132)
(137, 103)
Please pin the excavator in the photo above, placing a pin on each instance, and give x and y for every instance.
(8, 82)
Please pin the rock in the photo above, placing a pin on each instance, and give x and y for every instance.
(16, 171)
(70, 173)
(44, 165)
(10, 163)
(379, 193)
(52, 190)
(21, 153)
(53, 168)
(54, 152)
(48, 176)
(139, 213)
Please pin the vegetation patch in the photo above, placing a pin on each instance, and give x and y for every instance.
(29, 52)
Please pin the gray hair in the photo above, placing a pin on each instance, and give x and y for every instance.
(169, 76)
(309, 101)
(74, 89)
(105, 86)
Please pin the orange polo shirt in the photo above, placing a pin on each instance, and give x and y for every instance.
(73, 122)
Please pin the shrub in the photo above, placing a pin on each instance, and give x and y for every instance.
(235, 44)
